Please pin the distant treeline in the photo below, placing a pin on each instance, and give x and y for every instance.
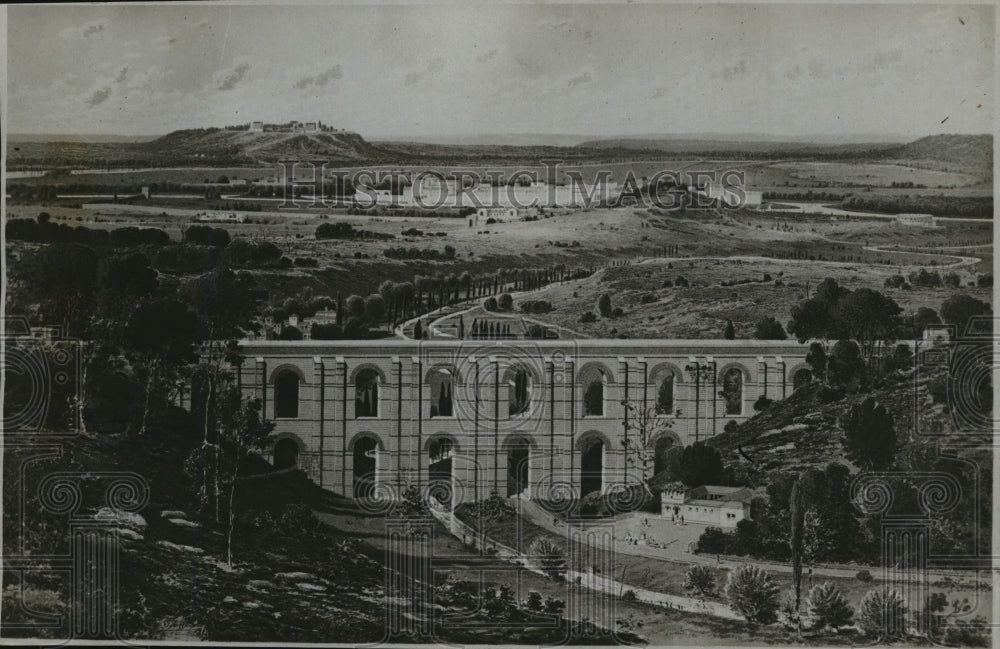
(347, 231)
(803, 196)
(43, 230)
(973, 207)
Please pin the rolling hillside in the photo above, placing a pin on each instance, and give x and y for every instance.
(967, 150)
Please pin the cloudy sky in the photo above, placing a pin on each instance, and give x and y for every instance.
(424, 70)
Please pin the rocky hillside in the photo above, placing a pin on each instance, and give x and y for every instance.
(804, 430)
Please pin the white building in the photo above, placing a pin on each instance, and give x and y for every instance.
(918, 220)
(714, 505)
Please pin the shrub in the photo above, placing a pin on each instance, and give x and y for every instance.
(762, 403)
(864, 576)
(551, 557)
(506, 302)
(829, 606)
(700, 579)
(882, 613)
(588, 316)
(604, 305)
(331, 331)
(769, 329)
(896, 281)
(290, 333)
(648, 298)
(554, 606)
(491, 304)
(617, 312)
(534, 601)
(681, 281)
(629, 596)
(752, 594)
(712, 541)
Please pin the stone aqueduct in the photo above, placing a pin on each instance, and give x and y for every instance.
(546, 418)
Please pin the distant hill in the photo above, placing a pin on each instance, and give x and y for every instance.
(738, 147)
(264, 147)
(971, 151)
(966, 150)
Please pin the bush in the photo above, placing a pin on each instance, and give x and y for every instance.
(534, 601)
(491, 304)
(648, 298)
(331, 331)
(896, 281)
(712, 541)
(769, 329)
(290, 333)
(752, 594)
(551, 557)
(629, 596)
(882, 614)
(617, 312)
(207, 235)
(762, 403)
(604, 305)
(864, 576)
(700, 579)
(829, 607)
(681, 281)
(588, 316)
(506, 302)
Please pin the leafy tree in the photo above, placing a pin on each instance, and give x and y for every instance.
(752, 594)
(769, 329)
(817, 360)
(161, 338)
(815, 317)
(227, 304)
(829, 607)
(845, 367)
(356, 306)
(959, 309)
(375, 307)
(868, 317)
(700, 579)
(241, 433)
(604, 305)
(899, 360)
(952, 280)
(730, 331)
(506, 302)
(870, 435)
(62, 278)
(700, 464)
(882, 614)
(491, 304)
